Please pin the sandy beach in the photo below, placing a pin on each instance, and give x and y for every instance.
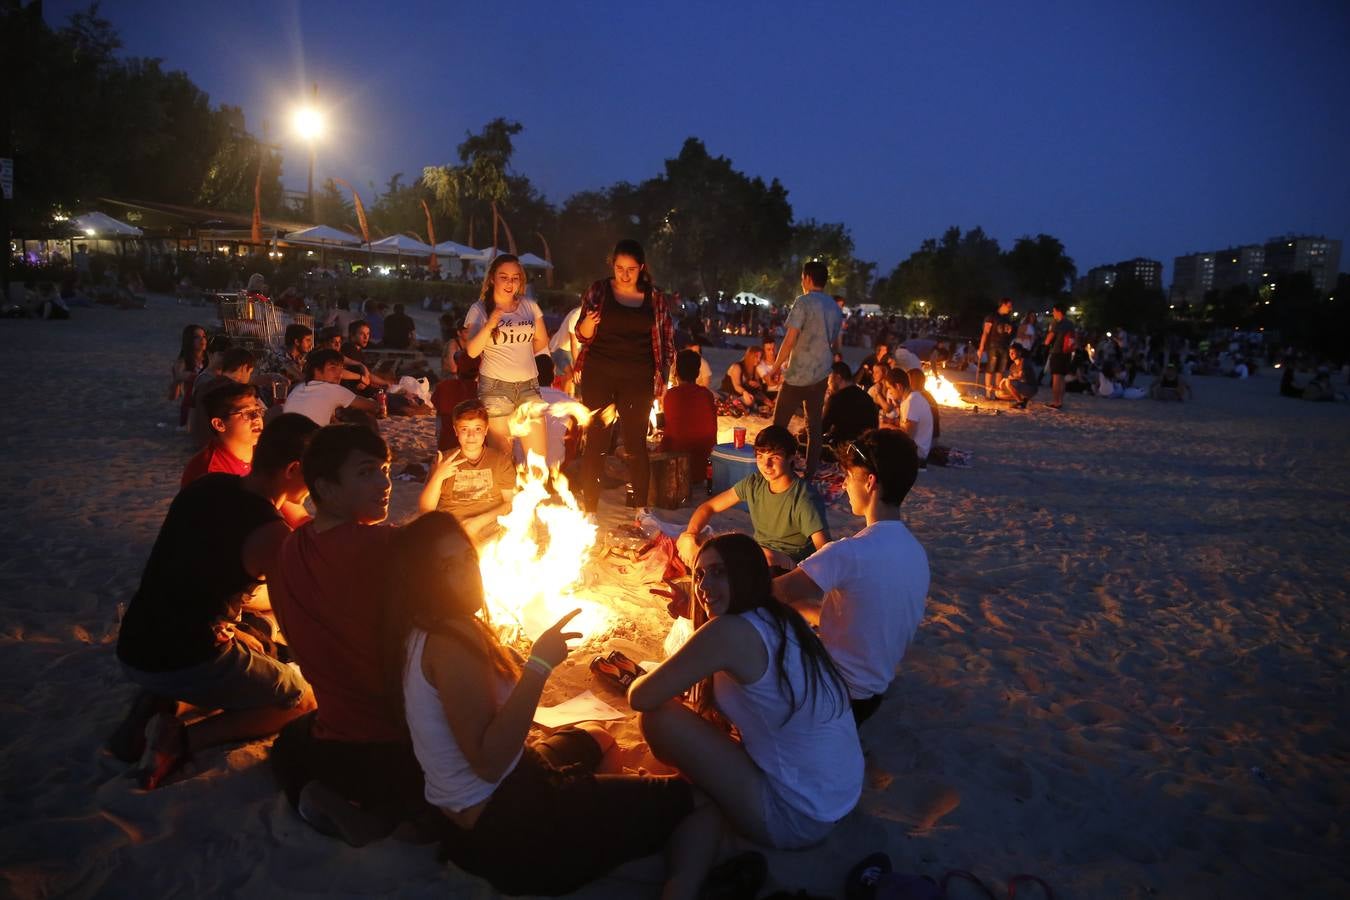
(1130, 680)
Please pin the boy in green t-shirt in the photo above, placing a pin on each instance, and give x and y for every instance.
(787, 513)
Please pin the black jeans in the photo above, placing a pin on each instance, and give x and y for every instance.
(553, 825)
(631, 394)
(791, 400)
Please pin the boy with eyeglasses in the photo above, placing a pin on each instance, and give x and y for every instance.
(867, 592)
(235, 415)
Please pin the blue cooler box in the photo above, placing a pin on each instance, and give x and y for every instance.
(730, 465)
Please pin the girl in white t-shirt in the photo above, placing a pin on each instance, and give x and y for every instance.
(506, 332)
(798, 767)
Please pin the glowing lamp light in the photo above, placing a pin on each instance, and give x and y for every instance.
(91, 232)
(308, 123)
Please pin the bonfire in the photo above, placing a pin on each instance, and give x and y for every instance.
(534, 565)
(945, 392)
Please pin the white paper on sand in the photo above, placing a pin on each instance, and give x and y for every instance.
(584, 707)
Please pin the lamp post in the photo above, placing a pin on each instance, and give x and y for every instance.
(308, 124)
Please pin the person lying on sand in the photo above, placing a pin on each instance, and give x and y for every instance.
(798, 767)
(866, 593)
(182, 638)
(348, 767)
(531, 817)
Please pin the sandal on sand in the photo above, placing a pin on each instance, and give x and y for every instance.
(166, 749)
(127, 743)
(739, 878)
(328, 812)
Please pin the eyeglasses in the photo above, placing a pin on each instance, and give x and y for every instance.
(861, 455)
(253, 413)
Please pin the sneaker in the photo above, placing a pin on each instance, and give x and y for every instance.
(861, 881)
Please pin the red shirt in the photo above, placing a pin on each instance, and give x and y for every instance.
(329, 598)
(214, 457)
(691, 423)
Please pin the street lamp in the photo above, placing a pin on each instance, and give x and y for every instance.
(308, 124)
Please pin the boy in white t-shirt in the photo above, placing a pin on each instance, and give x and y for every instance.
(915, 416)
(867, 592)
(322, 394)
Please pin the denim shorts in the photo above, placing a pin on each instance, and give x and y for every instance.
(502, 397)
(238, 678)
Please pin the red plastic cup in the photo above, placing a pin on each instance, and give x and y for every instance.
(738, 436)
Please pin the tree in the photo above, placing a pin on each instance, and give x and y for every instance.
(712, 225)
(399, 209)
(474, 191)
(331, 206)
(1040, 268)
(232, 170)
(957, 275)
(829, 242)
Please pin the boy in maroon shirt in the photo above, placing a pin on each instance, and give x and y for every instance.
(349, 768)
(691, 415)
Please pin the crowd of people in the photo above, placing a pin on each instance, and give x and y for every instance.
(368, 651)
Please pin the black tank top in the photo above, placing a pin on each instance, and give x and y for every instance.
(623, 342)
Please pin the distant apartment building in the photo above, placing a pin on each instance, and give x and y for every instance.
(1099, 277)
(1243, 266)
(1192, 277)
(1147, 272)
(1320, 257)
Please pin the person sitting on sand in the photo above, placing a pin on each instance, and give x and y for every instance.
(182, 638)
(786, 512)
(1320, 389)
(691, 415)
(321, 394)
(888, 410)
(236, 367)
(235, 416)
(915, 414)
(742, 382)
(349, 767)
(191, 362)
(866, 593)
(481, 479)
(798, 767)
(848, 410)
(1170, 386)
(299, 341)
(1020, 383)
(354, 359)
(469, 705)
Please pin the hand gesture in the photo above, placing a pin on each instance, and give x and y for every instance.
(678, 601)
(447, 464)
(551, 646)
(592, 318)
(687, 546)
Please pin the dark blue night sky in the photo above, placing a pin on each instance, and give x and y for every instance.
(1125, 129)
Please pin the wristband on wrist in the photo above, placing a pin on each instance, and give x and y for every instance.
(539, 665)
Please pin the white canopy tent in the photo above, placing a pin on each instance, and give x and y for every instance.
(530, 261)
(402, 245)
(98, 225)
(323, 234)
(461, 251)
